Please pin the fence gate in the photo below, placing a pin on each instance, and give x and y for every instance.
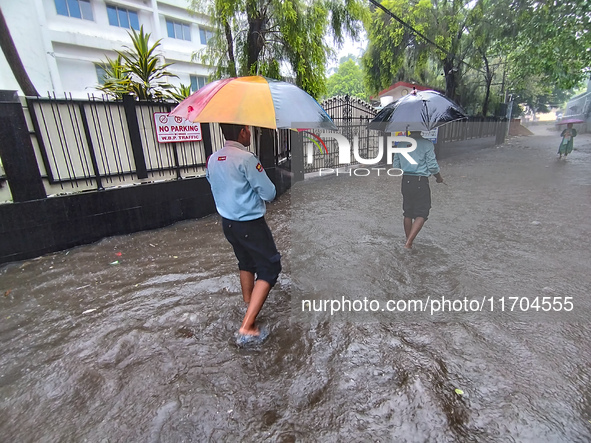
(351, 115)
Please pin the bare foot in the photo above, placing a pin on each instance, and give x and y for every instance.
(254, 331)
(407, 246)
(248, 337)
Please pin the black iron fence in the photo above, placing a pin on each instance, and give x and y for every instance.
(98, 143)
(351, 115)
(60, 147)
(473, 127)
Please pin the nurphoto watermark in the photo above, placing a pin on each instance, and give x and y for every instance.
(344, 148)
(395, 144)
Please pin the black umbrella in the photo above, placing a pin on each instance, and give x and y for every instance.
(420, 111)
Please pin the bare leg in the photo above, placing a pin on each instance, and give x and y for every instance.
(257, 299)
(247, 285)
(417, 224)
(407, 226)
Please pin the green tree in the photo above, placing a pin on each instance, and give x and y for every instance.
(138, 70)
(489, 25)
(552, 41)
(539, 97)
(260, 36)
(490, 47)
(348, 80)
(442, 22)
(531, 40)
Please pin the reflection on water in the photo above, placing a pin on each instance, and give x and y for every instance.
(131, 338)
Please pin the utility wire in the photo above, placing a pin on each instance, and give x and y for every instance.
(406, 25)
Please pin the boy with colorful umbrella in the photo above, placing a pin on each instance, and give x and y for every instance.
(240, 188)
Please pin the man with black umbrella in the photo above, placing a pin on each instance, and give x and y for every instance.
(416, 194)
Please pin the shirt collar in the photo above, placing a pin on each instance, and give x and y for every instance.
(234, 144)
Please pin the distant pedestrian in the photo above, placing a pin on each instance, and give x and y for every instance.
(240, 188)
(566, 144)
(416, 193)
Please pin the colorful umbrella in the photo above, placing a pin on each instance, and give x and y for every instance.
(566, 121)
(254, 101)
(421, 111)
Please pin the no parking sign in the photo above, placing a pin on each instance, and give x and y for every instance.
(171, 129)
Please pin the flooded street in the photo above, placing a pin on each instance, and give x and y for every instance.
(131, 339)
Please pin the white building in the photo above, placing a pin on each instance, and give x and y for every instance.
(63, 42)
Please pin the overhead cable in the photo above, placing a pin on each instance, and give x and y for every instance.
(406, 25)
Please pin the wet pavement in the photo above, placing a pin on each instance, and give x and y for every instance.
(131, 339)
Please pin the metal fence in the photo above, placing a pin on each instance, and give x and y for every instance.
(351, 115)
(473, 127)
(101, 142)
(98, 143)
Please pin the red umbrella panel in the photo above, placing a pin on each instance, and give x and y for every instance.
(566, 121)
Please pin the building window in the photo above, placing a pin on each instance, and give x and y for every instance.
(74, 8)
(197, 82)
(124, 18)
(205, 35)
(101, 74)
(178, 30)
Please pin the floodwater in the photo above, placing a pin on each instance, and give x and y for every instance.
(131, 339)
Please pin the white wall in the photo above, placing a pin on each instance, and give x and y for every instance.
(27, 28)
(59, 52)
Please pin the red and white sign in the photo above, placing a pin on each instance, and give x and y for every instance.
(170, 129)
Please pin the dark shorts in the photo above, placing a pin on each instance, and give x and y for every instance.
(416, 196)
(254, 248)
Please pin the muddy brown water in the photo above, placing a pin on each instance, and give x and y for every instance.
(131, 339)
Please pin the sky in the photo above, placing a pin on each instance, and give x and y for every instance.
(349, 47)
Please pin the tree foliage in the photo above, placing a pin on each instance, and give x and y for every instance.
(442, 22)
(348, 80)
(138, 70)
(554, 41)
(489, 47)
(265, 36)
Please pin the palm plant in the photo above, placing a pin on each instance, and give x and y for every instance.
(138, 70)
(117, 81)
(181, 92)
(147, 76)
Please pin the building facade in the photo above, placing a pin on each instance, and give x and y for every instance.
(63, 43)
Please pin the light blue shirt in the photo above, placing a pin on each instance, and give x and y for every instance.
(239, 184)
(424, 155)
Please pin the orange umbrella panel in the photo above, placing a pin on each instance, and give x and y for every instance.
(254, 101)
